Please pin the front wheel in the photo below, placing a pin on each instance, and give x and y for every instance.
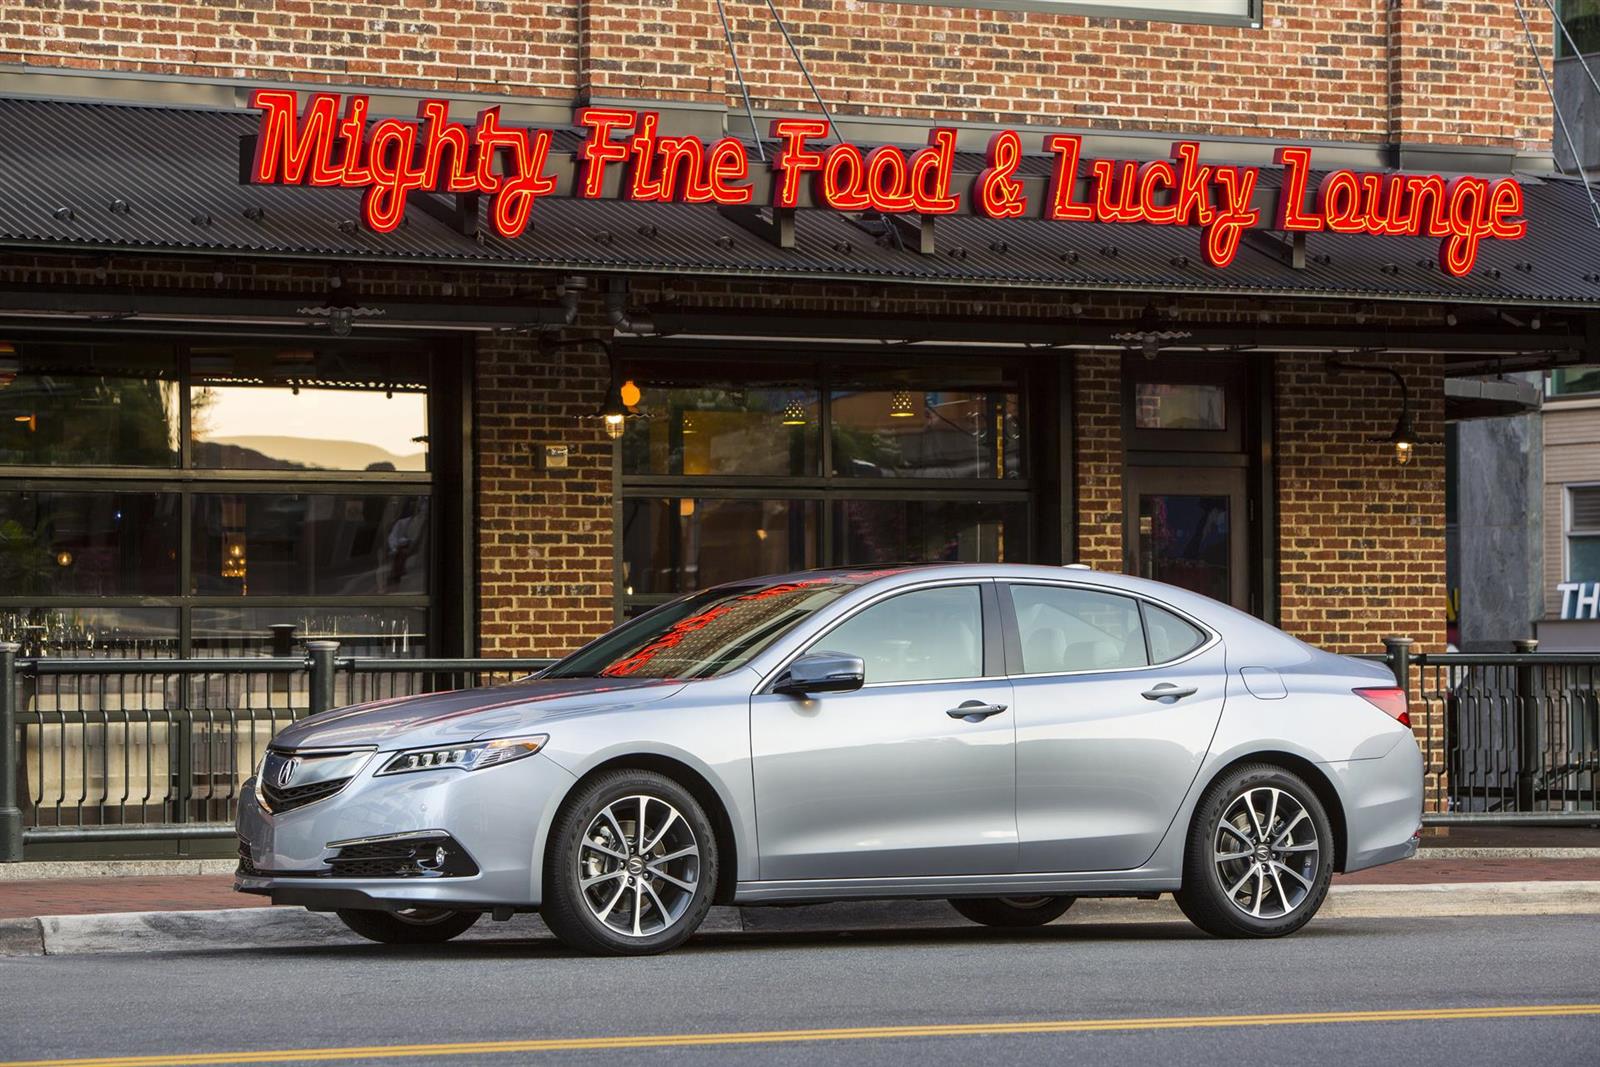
(1013, 912)
(411, 926)
(1259, 856)
(632, 866)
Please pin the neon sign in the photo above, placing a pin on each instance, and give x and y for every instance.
(390, 159)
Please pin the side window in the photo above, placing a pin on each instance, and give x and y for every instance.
(1170, 636)
(1065, 629)
(922, 636)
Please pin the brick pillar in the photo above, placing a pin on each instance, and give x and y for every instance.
(544, 535)
(1097, 396)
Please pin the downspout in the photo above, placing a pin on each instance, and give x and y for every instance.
(638, 323)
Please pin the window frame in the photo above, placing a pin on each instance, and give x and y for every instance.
(1567, 530)
(185, 481)
(1130, 10)
(1013, 629)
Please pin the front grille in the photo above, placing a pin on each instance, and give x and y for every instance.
(247, 866)
(292, 780)
(298, 796)
(432, 856)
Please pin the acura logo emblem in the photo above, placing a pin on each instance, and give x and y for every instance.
(286, 772)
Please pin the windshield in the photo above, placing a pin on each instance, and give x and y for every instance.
(708, 633)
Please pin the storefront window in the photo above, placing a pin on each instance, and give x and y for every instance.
(88, 544)
(738, 468)
(99, 405)
(368, 631)
(92, 630)
(1583, 22)
(1573, 381)
(1180, 406)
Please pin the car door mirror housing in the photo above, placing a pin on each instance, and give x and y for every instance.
(823, 672)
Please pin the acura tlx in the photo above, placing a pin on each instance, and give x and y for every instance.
(1007, 737)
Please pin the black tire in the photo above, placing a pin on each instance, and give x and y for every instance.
(1013, 912)
(414, 926)
(566, 908)
(1304, 866)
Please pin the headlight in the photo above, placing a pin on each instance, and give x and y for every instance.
(472, 756)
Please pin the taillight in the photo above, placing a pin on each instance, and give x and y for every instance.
(1389, 699)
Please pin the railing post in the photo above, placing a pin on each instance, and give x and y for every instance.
(10, 814)
(1530, 725)
(322, 668)
(1399, 650)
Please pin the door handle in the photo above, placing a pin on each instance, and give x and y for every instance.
(1168, 691)
(975, 710)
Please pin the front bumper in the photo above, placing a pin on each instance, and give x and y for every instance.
(499, 816)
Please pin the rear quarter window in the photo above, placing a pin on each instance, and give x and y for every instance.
(1170, 636)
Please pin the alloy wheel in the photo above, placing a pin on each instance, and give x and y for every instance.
(638, 866)
(1266, 852)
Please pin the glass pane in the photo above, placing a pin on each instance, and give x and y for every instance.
(1575, 381)
(310, 544)
(1066, 629)
(66, 405)
(926, 425)
(1583, 559)
(96, 544)
(246, 631)
(679, 544)
(131, 633)
(706, 634)
(916, 531)
(296, 409)
(1183, 541)
(1185, 406)
(1170, 636)
(927, 635)
(1583, 23)
(757, 427)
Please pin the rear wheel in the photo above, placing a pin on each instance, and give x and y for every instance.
(632, 866)
(412, 926)
(1013, 911)
(1259, 857)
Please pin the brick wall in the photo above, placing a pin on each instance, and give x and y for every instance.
(1447, 71)
(1097, 448)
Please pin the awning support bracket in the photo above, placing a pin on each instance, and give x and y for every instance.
(774, 224)
(459, 211)
(1287, 248)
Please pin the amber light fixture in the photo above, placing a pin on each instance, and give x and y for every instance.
(9, 367)
(30, 420)
(794, 413)
(900, 406)
(1403, 438)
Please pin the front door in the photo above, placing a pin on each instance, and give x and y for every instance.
(884, 781)
(1187, 526)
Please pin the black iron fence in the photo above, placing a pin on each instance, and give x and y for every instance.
(107, 749)
(117, 750)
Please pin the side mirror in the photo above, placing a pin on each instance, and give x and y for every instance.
(823, 672)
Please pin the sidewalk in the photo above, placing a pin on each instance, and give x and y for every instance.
(210, 892)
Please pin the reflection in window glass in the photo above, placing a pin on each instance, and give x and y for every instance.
(927, 635)
(92, 631)
(680, 544)
(1170, 636)
(1185, 542)
(272, 544)
(82, 405)
(243, 427)
(1573, 381)
(1180, 406)
(360, 631)
(754, 428)
(1067, 629)
(916, 531)
(919, 432)
(94, 544)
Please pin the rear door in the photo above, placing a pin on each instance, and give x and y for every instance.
(884, 781)
(1116, 701)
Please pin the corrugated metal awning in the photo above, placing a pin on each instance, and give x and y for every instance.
(111, 177)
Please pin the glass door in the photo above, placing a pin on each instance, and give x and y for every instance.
(1187, 526)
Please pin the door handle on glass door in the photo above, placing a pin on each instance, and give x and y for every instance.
(1168, 691)
(975, 710)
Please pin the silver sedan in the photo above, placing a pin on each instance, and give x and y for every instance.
(1008, 737)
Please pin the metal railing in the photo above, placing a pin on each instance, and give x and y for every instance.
(104, 749)
(118, 750)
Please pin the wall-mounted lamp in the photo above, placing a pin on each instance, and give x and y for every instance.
(613, 412)
(1403, 438)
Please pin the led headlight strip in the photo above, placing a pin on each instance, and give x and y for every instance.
(470, 756)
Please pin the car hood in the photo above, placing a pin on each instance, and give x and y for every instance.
(464, 714)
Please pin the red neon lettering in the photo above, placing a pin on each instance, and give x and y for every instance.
(1430, 189)
(294, 153)
(1064, 180)
(353, 129)
(642, 185)
(841, 184)
(1222, 237)
(930, 175)
(1291, 217)
(1157, 172)
(686, 155)
(888, 179)
(1192, 199)
(1469, 224)
(598, 150)
(726, 162)
(390, 154)
(1339, 202)
(1107, 205)
(442, 134)
(794, 159)
(1505, 200)
(996, 191)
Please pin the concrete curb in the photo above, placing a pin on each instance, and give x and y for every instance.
(256, 928)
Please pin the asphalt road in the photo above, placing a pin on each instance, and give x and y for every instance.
(164, 1005)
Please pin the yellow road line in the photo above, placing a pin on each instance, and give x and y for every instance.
(774, 1037)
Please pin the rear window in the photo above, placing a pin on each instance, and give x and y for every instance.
(1170, 637)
